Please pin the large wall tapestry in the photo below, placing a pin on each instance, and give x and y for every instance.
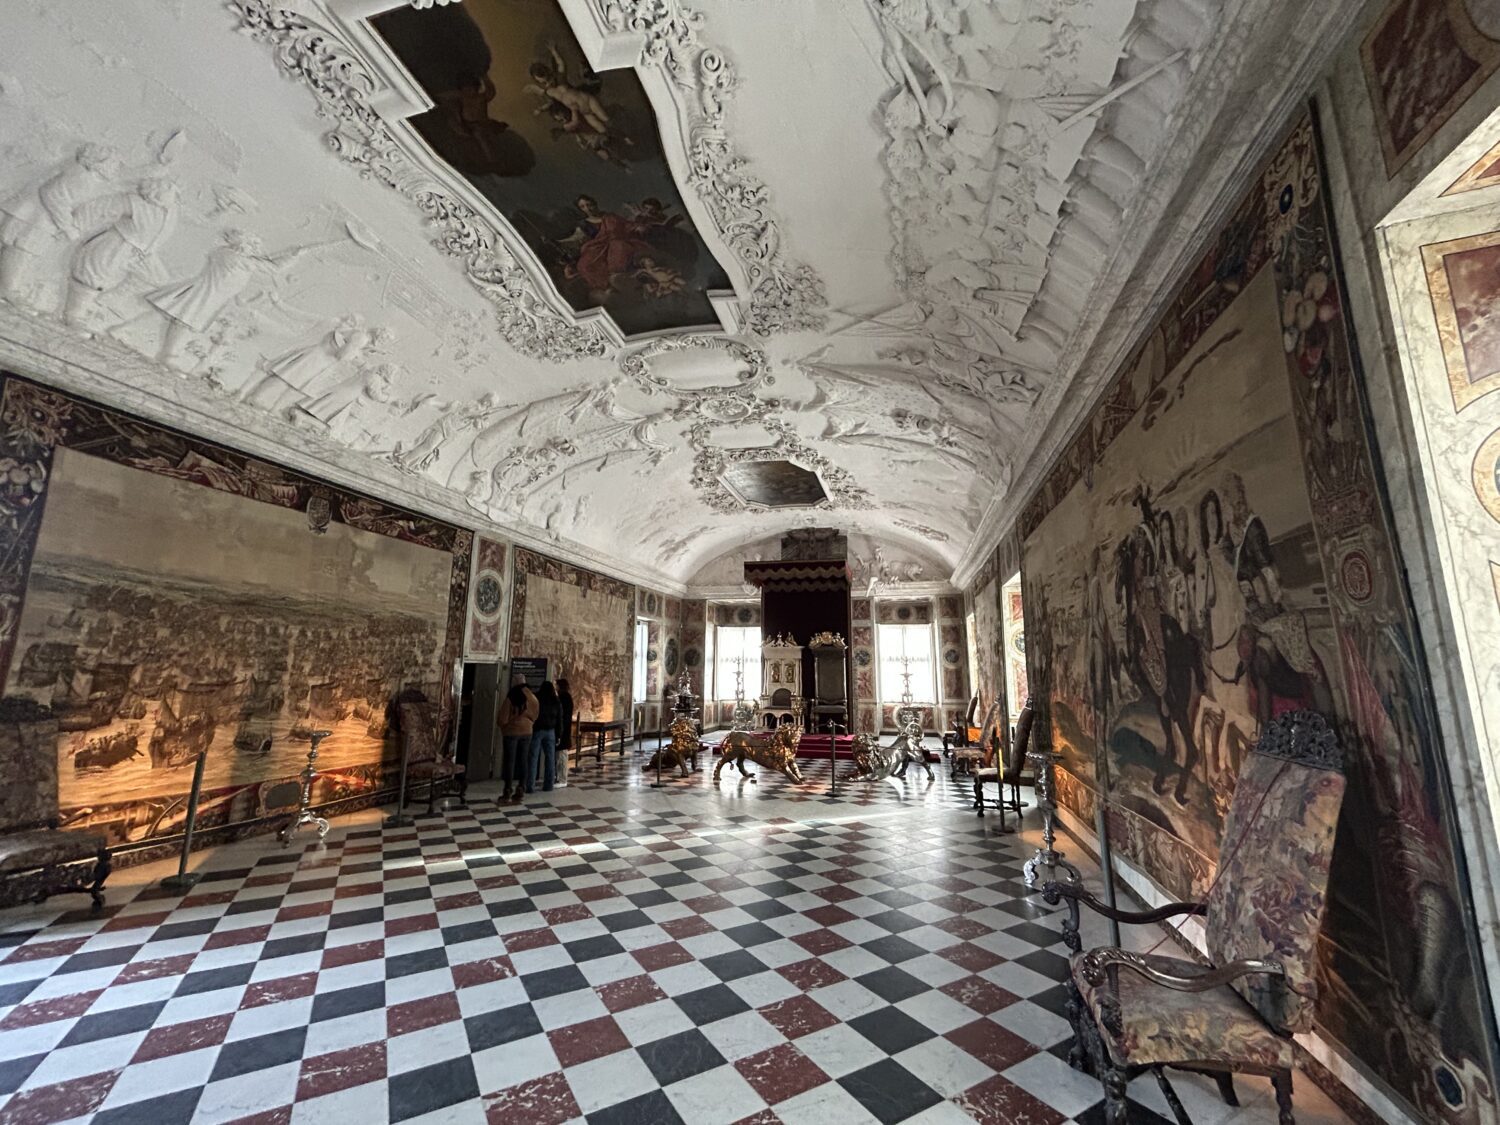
(1422, 60)
(1212, 550)
(165, 597)
(581, 621)
(572, 158)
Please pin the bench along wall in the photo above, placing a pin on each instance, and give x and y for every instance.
(164, 596)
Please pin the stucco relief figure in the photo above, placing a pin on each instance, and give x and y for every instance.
(192, 305)
(139, 224)
(455, 419)
(38, 218)
(306, 373)
(356, 408)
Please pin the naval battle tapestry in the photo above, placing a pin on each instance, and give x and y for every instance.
(584, 624)
(166, 598)
(1212, 550)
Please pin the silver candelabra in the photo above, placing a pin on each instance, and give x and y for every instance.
(305, 815)
(1046, 855)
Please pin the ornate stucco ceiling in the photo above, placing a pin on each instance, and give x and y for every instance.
(221, 215)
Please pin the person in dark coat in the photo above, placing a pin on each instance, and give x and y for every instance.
(564, 716)
(544, 738)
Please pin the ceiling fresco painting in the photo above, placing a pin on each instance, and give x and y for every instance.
(570, 157)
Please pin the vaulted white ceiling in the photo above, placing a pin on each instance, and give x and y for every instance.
(927, 210)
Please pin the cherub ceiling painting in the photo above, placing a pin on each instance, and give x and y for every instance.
(572, 158)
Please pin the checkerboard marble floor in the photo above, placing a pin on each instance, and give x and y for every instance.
(603, 952)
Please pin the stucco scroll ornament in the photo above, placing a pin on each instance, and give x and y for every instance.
(754, 371)
(343, 84)
(785, 296)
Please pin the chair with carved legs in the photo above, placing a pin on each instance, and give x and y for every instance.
(1132, 1013)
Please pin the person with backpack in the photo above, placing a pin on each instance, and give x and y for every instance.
(518, 711)
(544, 738)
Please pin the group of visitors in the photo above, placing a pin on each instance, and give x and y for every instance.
(535, 725)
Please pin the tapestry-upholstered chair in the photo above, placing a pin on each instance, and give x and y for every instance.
(1136, 1012)
(422, 749)
(37, 858)
(1006, 770)
(963, 744)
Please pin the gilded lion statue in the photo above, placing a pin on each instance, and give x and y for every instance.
(775, 751)
(682, 750)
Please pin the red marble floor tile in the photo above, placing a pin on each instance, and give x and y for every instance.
(523, 865)
(780, 1073)
(842, 875)
(962, 927)
(632, 992)
(848, 859)
(352, 954)
(797, 1016)
(304, 910)
(998, 1101)
(470, 973)
(429, 1011)
(624, 875)
(830, 915)
(591, 1039)
(573, 912)
(179, 1038)
(529, 939)
(836, 893)
(954, 884)
(764, 1117)
(313, 886)
(42, 950)
(134, 921)
(491, 882)
(209, 898)
(341, 1070)
(811, 973)
(725, 883)
(280, 1116)
(707, 904)
(54, 1008)
(268, 880)
(822, 941)
(992, 1044)
(556, 853)
(547, 1100)
(691, 926)
(595, 894)
(264, 992)
(662, 956)
(135, 971)
(76, 1097)
(411, 924)
(459, 901)
(245, 935)
(975, 958)
(979, 994)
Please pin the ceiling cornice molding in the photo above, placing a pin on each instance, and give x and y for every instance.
(1188, 191)
(107, 372)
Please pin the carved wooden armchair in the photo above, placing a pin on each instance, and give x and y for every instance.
(1006, 770)
(425, 760)
(1135, 1012)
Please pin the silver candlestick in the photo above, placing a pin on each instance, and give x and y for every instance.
(1046, 855)
(305, 814)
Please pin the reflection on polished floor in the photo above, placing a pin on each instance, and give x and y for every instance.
(604, 952)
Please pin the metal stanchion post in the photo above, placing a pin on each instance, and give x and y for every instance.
(399, 819)
(833, 759)
(184, 879)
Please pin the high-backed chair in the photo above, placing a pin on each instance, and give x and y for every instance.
(423, 748)
(830, 702)
(1135, 1012)
(37, 858)
(1005, 766)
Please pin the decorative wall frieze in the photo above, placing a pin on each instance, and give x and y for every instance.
(785, 296)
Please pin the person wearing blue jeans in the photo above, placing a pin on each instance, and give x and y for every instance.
(516, 718)
(544, 738)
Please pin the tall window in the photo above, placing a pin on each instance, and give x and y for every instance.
(907, 648)
(736, 644)
(642, 643)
